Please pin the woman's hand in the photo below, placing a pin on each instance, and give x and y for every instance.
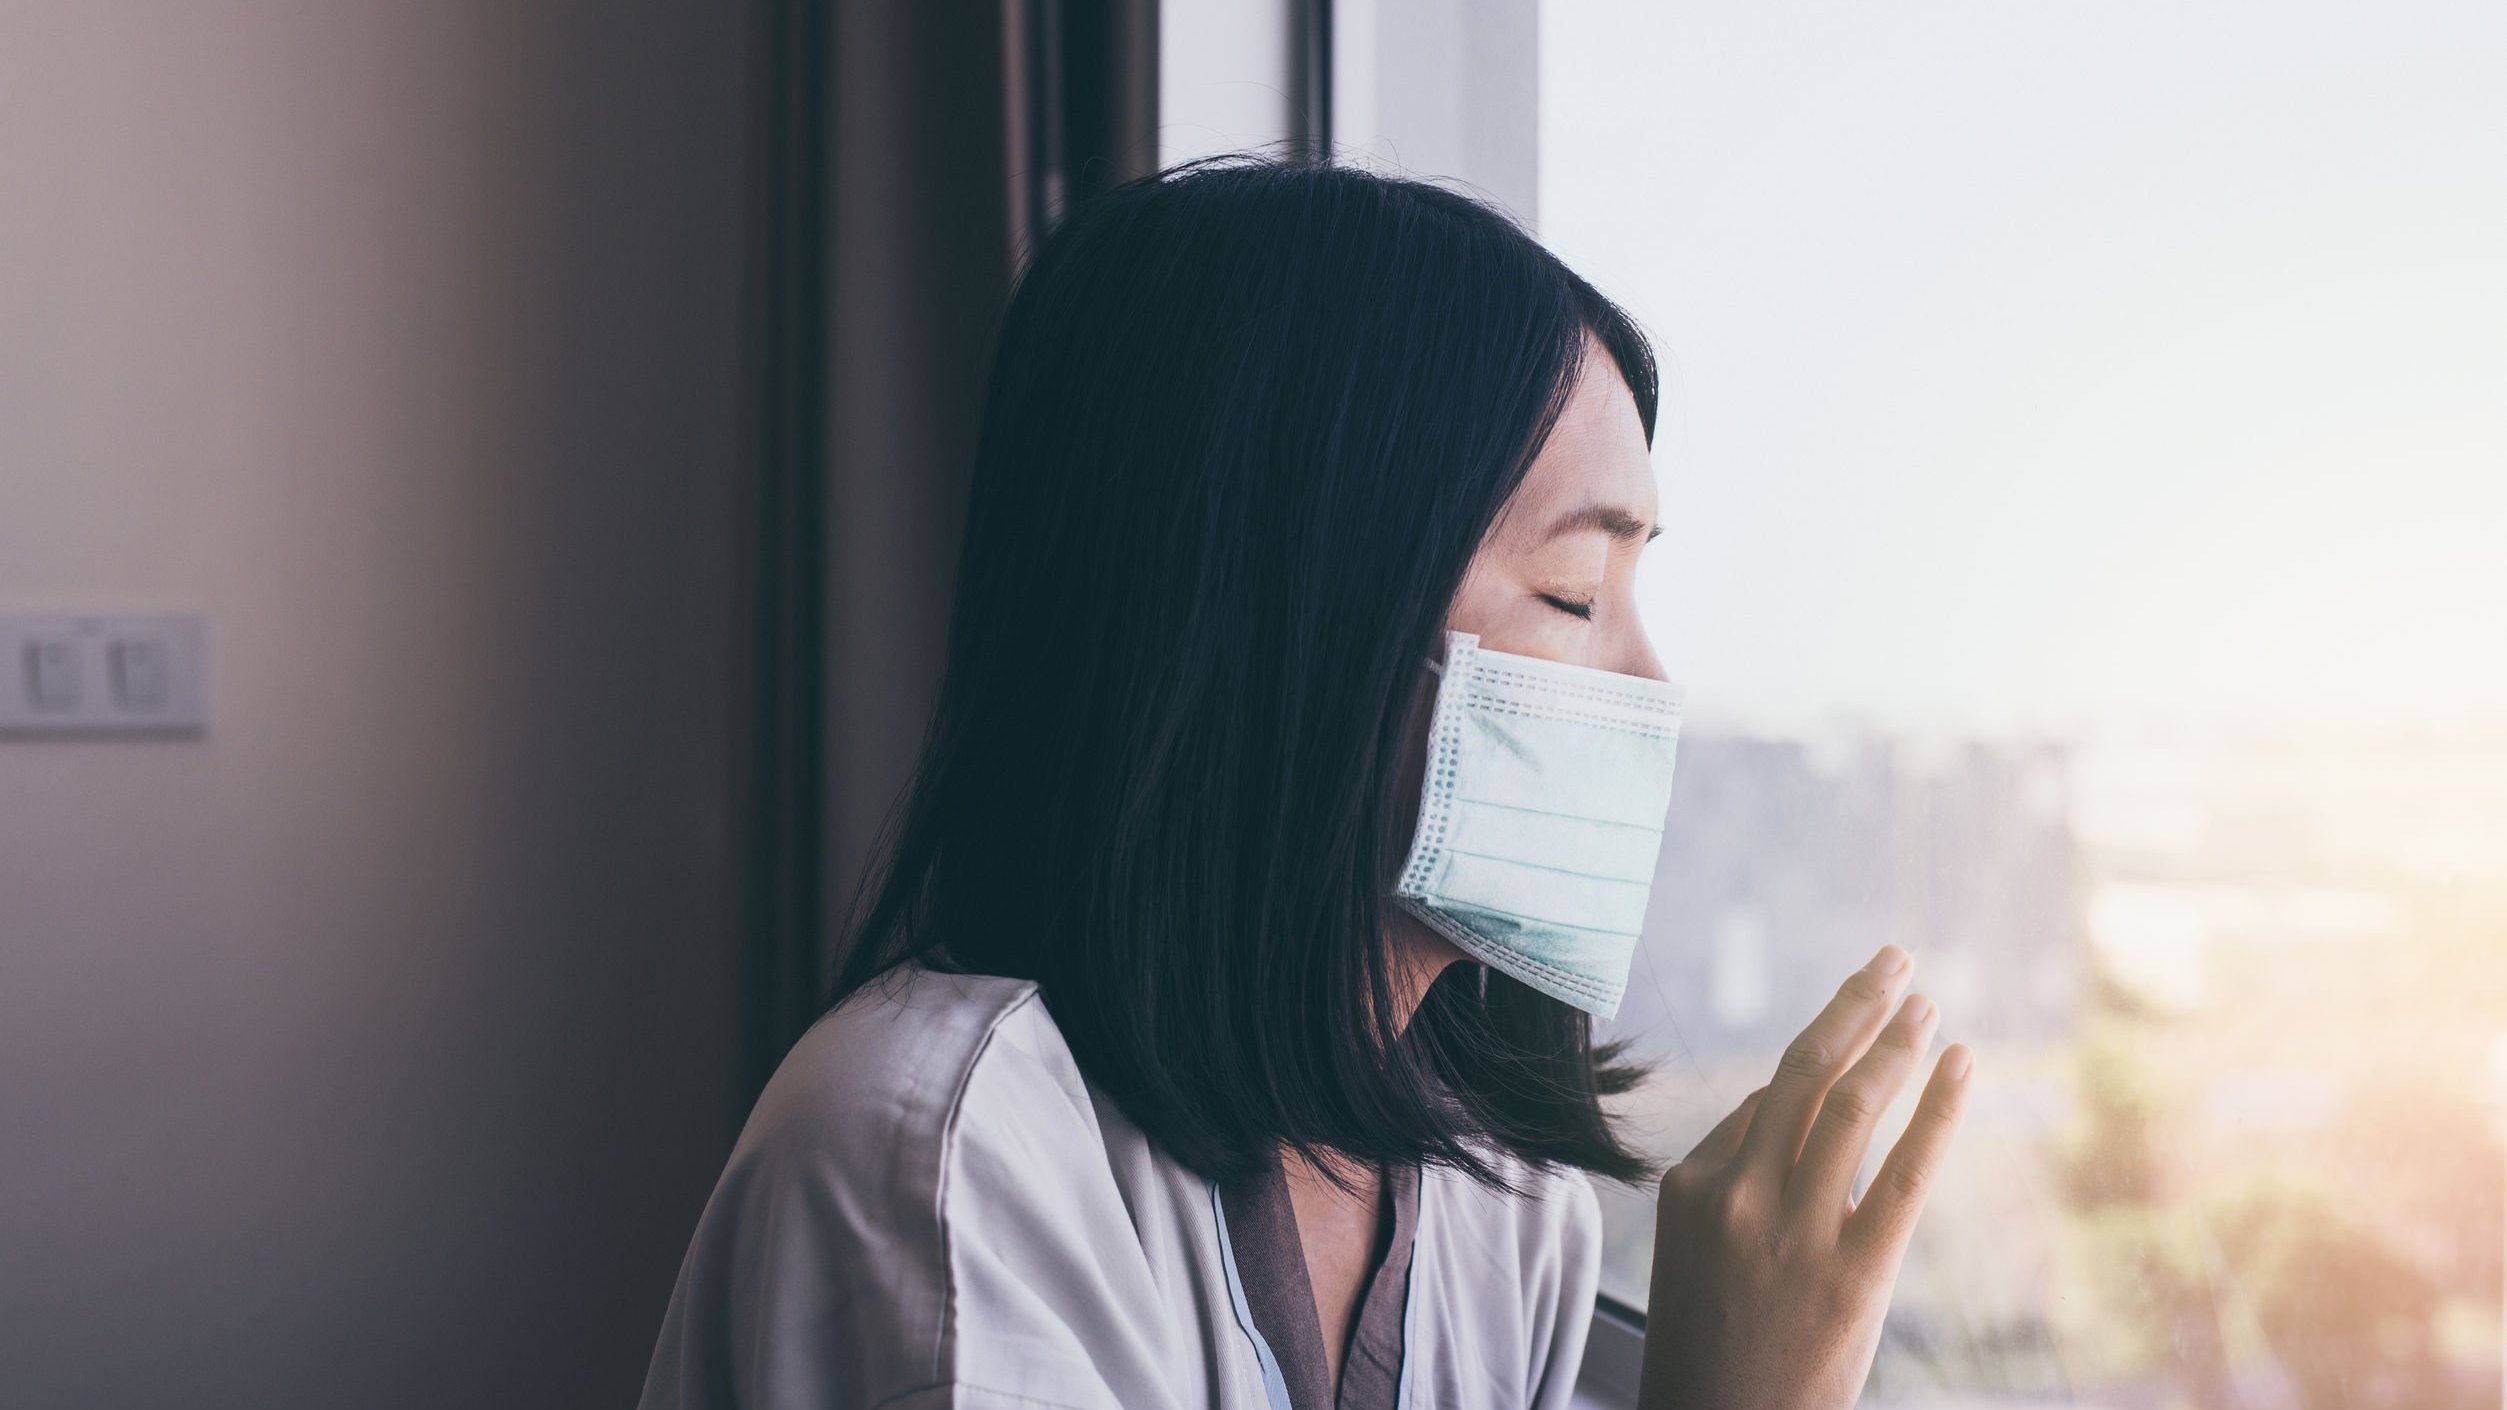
(1769, 1281)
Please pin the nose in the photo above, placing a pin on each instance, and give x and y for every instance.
(1636, 657)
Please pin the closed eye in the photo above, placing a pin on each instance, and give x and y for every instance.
(1581, 609)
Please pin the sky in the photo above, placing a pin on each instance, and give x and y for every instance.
(2059, 368)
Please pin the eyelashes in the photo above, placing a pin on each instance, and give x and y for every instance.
(1579, 608)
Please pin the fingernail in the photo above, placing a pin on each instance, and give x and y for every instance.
(1890, 960)
(1916, 1009)
(1957, 1061)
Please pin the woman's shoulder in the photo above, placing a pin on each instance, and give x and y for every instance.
(1528, 1195)
(1548, 1221)
(859, 1244)
(1513, 1274)
(895, 1067)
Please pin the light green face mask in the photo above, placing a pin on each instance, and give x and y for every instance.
(1542, 817)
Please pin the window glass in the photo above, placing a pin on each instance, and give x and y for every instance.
(2084, 456)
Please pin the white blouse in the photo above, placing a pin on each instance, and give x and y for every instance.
(931, 1207)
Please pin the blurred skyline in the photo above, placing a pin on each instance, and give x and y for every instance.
(2061, 370)
(2081, 460)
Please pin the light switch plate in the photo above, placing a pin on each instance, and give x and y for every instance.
(103, 673)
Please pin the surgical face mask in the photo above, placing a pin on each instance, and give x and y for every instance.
(1542, 817)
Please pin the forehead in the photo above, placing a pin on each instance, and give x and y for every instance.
(1596, 454)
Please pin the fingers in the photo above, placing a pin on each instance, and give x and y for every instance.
(1886, 1218)
(1824, 1177)
(1815, 1060)
(1725, 1140)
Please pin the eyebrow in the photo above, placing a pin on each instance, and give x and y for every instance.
(1610, 519)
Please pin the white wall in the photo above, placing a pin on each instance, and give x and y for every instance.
(373, 1049)
(1223, 76)
(1441, 89)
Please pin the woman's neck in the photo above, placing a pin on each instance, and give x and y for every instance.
(1419, 955)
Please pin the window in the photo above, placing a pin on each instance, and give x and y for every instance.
(2084, 456)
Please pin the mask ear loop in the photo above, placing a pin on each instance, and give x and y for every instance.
(1435, 665)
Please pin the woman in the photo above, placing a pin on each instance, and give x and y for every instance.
(1219, 1032)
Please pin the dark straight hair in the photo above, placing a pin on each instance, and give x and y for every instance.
(1248, 421)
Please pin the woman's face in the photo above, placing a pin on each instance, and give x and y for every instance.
(1556, 576)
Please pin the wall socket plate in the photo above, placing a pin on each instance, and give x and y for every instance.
(103, 673)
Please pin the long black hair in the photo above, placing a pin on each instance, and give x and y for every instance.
(1247, 423)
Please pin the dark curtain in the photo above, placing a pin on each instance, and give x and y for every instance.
(908, 152)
